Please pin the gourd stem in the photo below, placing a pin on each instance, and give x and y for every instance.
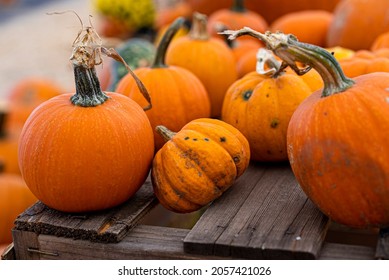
(159, 60)
(266, 58)
(198, 30)
(165, 132)
(238, 6)
(290, 50)
(88, 91)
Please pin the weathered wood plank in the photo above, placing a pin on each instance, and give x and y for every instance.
(143, 242)
(265, 215)
(336, 251)
(25, 244)
(9, 253)
(382, 250)
(103, 226)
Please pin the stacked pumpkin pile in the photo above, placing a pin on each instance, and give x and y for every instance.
(198, 107)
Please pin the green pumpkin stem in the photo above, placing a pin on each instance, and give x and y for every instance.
(238, 6)
(290, 50)
(199, 30)
(165, 133)
(159, 60)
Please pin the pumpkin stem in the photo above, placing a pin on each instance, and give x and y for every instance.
(87, 51)
(290, 50)
(198, 30)
(165, 132)
(238, 6)
(266, 59)
(159, 60)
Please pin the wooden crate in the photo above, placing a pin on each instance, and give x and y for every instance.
(265, 215)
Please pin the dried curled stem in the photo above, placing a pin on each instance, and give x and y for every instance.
(290, 50)
(88, 50)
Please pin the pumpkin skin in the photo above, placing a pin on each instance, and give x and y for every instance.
(357, 23)
(178, 96)
(337, 155)
(309, 26)
(210, 59)
(15, 197)
(260, 107)
(380, 42)
(86, 151)
(198, 164)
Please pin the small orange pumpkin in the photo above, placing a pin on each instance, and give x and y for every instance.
(89, 150)
(198, 164)
(25, 96)
(381, 42)
(237, 16)
(309, 26)
(15, 197)
(178, 95)
(261, 105)
(209, 58)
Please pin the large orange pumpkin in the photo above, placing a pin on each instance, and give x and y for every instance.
(15, 197)
(198, 164)
(210, 59)
(338, 145)
(178, 96)
(357, 23)
(89, 150)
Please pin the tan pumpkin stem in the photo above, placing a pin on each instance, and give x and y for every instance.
(198, 30)
(165, 132)
(266, 58)
(290, 50)
(87, 51)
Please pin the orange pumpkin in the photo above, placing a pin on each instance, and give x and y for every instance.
(260, 106)
(178, 96)
(8, 145)
(380, 42)
(169, 13)
(25, 96)
(210, 59)
(198, 164)
(269, 9)
(309, 26)
(337, 141)
(364, 62)
(357, 23)
(15, 197)
(89, 150)
(237, 16)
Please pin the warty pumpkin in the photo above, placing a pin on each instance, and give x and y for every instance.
(357, 23)
(15, 197)
(178, 95)
(198, 164)
(210, 59)
(338, 145)
(87, 151)
(260, 106)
